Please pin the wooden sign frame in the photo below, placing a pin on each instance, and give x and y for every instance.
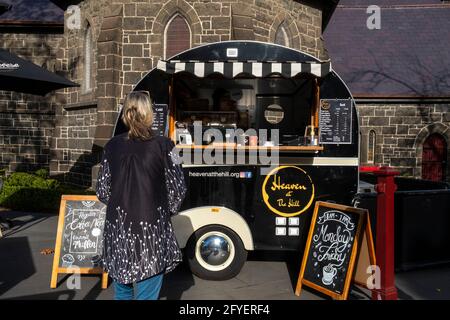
(56, 269)
(366, 255)
(363, 214)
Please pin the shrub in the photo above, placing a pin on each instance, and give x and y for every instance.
(43, 173)
(35, 192)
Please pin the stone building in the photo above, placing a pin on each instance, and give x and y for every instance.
(27, 121)
(399, 75)
(108, 46)
(117, 42)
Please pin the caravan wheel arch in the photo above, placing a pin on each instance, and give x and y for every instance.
(187, 222)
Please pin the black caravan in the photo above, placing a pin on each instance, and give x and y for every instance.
(264, 131)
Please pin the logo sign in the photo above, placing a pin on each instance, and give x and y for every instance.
(288, 191)
(6, 66)
(232, 52)
(325, 105)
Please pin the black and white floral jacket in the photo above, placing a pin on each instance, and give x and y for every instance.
(142, 185)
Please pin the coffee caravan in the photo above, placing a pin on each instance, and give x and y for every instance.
(243, 87)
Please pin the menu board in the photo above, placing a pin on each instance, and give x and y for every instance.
(333, 242)
(160, 119)
(335, 121)
(79, 236)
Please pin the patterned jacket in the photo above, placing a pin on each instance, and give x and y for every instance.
(142, 185)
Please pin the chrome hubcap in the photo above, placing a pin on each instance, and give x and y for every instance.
(215, 251)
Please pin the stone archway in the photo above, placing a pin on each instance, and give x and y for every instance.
(164, 15)
(286, 20)
(439, 128)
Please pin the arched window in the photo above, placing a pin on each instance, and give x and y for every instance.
(281, 36)
(434, 158)
(371, 147)
(88, 59)
(177, 36)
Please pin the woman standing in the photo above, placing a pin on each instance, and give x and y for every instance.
(142, 184)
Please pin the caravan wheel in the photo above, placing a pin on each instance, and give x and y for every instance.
(215, 253)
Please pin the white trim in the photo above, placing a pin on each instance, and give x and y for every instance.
(199, 69)
(257, 69)
(238, 67)
(180, 66)
(276, 67)
(191, 220)
(371, 161)
(313, 58)
(161, 65)
(296, 68)
(316, 69)
(87, 67)
(218, 67)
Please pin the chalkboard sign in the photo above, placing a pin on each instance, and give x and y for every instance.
(333, 243)
(160, 119)
(335, 121)
(79, 236)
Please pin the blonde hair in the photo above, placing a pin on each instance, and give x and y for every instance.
(138, 115)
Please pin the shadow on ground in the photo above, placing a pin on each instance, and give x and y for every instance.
(177, 282)
(17, 263)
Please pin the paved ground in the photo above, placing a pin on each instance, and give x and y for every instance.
(25, 273)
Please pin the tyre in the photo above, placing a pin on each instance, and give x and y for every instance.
(215, 253)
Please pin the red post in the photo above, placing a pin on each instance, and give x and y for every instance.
(385, 233)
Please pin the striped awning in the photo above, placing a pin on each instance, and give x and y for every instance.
(233, 68)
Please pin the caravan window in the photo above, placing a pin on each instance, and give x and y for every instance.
(272, 104)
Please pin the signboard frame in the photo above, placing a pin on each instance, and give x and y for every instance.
(357, 244)
(351, 121)
(56, 269)
(166, 111)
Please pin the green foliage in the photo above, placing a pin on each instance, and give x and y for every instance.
(43, 173)
(35, 192)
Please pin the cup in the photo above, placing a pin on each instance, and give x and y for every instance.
(329, 272)
(253, 141)
(242, 140)
(314, 141)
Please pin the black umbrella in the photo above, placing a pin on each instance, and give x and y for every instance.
(17, 74)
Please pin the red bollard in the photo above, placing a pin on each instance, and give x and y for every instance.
(385, 188)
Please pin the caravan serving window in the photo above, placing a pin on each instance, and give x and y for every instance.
(281, 106)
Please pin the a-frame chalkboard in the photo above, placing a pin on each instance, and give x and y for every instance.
(334, 243)
(79, 237)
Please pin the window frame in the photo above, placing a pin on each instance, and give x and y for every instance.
(169, 22)
(285, 35)
(88, 60)
(371, 148)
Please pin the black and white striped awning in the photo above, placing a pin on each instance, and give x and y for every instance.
(256, 69)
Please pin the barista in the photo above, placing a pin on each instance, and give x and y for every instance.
(222, 100)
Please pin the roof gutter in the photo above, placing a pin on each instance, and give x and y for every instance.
(408, 100)
(32, 26)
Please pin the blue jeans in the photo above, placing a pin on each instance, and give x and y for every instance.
(147, 289)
